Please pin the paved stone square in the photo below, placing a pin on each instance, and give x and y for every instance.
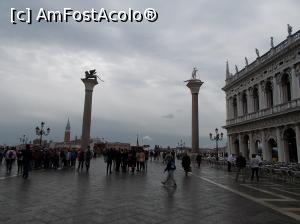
(209, 195)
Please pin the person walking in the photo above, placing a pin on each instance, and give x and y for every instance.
(80, 160)
(254, 164)
(108, 160)
(142, 160)
(171, 167)
(229, 162)
(241, 165)
(199, 159)
(88, 157)
(118, 160)
(186, 163)
(20, 161)
(124, 160)
(27, 156)
(10, 157)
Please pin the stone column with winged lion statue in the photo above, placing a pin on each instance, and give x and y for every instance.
(89, 81)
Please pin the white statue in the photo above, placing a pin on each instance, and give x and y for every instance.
(236, 69)
(272, 42)
(290, 29)
(194, 73)
(257, 52)
(246, 61)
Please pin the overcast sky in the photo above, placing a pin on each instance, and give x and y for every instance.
(144, 66)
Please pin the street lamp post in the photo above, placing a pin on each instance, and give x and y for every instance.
(218, 137)
(40, 131)
(23, 139)
(181, 145)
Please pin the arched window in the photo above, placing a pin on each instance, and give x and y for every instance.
(286, 88)
(255, 99)
(234, 104)
(269, 94)
(244, 103)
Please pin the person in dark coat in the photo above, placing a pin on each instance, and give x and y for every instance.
(124, 159)
(118, 160)
(186, 163)
(109, 159)
(88, 157)
(198, 159)
(241, 165)
(80, 160)
(27, 156)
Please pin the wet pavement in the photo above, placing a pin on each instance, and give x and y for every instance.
(208, 195)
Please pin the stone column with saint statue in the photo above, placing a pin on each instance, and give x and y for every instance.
(194, 85)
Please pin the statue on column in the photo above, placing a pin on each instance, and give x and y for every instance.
(92, 75)
(194, 73)
(290, 29)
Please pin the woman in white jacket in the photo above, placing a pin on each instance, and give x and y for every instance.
(254, 164)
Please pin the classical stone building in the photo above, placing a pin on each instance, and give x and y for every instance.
(263, 103)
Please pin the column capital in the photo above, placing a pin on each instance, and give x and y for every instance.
(194, 85)
(89, 83)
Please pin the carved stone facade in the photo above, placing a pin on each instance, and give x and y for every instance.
(263, 104)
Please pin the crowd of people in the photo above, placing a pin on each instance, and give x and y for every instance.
(118, 160)
(240, 163)
(42, 158)
(126, 160)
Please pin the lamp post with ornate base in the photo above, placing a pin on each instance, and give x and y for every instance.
(40, 131)
(218, 137)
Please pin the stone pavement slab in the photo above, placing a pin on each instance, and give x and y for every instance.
(207, 196)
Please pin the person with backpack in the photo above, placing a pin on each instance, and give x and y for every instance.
(171, 167)
(9, 158)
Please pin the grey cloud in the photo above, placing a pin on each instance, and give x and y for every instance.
(168, 116)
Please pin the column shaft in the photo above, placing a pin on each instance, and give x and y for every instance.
(261, 97)
(280, 146)
(239, 105)
(252, 145)
(195, 123)
(86, 123)
(263, 146)
(298, 141)
(87, 112)
(249, 102)
(294, 84)
(275, 92)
